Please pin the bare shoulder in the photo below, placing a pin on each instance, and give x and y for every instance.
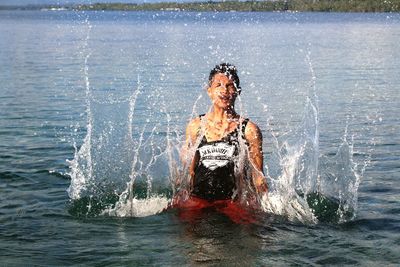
(193, 127)
(252, 131)
(194, 123)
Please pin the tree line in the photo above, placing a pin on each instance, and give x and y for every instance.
(236, 5)
(279, 5)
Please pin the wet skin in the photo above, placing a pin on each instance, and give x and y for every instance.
(220, 121)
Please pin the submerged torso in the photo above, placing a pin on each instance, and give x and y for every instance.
(214, 177)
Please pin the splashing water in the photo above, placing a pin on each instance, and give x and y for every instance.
(81, 166)
(129, 163)
(312, 187)
(305, 180)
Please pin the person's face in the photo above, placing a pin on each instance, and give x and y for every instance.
(222, 91)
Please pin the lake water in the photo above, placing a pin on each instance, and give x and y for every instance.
(94, 104)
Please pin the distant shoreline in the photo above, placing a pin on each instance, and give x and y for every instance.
(245, 6)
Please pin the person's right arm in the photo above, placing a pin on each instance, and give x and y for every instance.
(189, 157)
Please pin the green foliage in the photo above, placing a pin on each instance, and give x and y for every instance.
(345, 5)
(280, 5)
(236, 5)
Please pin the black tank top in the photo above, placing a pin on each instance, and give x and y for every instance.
(214, 177)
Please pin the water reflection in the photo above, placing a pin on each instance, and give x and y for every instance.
(217, 240)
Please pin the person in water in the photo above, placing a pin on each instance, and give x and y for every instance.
(217, 139)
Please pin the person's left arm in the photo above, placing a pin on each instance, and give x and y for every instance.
(253, 136)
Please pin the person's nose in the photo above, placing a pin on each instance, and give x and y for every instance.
(224, 89)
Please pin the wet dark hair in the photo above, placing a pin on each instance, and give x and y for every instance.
(227, 69)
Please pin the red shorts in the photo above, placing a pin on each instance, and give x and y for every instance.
(193, 207)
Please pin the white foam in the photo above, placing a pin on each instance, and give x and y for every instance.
(295, 208)
(138, 207)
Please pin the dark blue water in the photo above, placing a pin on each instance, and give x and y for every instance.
(65, 77)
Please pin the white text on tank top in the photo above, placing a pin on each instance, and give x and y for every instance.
(216, 155)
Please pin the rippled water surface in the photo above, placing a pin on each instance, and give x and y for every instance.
(87, 94)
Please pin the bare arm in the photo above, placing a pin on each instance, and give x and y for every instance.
(254, 138)
(190, 160)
